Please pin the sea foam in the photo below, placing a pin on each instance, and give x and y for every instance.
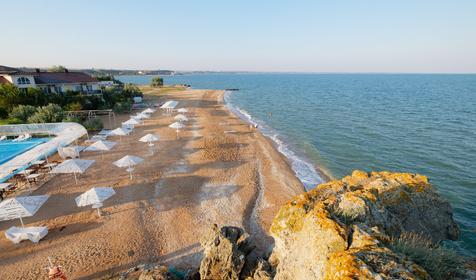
(304, 170)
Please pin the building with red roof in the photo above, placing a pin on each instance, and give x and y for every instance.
(50, 82)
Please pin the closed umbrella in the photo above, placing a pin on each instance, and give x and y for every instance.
(73, 166)
(128, 161)
(22, 206)
(177, 126)
(181, 118)
(149, 138)
(102, 146)
(95, 197)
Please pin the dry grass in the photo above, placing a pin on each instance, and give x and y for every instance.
(441, 263)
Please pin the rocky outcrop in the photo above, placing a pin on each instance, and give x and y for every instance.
(341, 229)
(230, 255)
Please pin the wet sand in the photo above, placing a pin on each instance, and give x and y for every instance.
(218, 171)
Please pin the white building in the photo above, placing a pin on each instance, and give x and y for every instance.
(50, 82)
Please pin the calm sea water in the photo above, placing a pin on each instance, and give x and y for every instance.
(421, 123)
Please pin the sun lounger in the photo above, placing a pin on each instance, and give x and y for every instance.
(3, 138)
(19, 138)
(18, 234)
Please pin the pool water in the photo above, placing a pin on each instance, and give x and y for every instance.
(10, 149)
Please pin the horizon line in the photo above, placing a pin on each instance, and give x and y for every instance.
(255, 71)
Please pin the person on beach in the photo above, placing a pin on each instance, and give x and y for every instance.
(2, 192)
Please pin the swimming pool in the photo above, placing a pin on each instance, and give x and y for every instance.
(10, 149)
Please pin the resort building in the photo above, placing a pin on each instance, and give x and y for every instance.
(50, 82)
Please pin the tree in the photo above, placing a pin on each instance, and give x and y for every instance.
(47, 114)
(57, 68)
(157, 82)
(23, 112)
(131, 90)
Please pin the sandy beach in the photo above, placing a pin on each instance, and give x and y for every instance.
(217, 171)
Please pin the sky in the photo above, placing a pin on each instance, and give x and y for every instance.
(429, 36)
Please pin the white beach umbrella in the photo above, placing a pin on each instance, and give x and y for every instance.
(95, 197)
(143, 115)
(119, 132)
(131, 121)
(21, 206)
(171, 104)
(148, 111)
(182, 110)
(177, 126)
(128, 161)
(137, 117)
(101, 145)
(181, 118)
(149, 138)
(73, 166)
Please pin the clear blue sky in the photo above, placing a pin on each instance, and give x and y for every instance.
(265, 35)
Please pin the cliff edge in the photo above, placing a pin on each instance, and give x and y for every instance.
(346, 229)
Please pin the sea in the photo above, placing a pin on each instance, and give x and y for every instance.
(328, 125)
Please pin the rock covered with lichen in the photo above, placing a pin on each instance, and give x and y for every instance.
(341, 229)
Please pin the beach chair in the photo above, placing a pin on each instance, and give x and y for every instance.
(19, 138)
(3, 138)
(34, 234)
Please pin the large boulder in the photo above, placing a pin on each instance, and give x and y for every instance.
(340, 230)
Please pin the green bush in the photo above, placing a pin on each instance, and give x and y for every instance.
(72, 119)
(93, 124)
(47, 114)
(14, 121)
(157, 82)
(131, 90)
(123, 107)
(23, 112)
(3, 113)
(75, 106)
(441, 263)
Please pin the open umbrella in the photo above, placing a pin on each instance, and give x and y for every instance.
(143, 115)
(182, 110)
(119, 132)
(177, 126)
(148, 111)
(181, 118)
(21, 206)
(128, 161)
(149, 138)
(101, 145)
(95, 197)
(73, 166)
(131, 121)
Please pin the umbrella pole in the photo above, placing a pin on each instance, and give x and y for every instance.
(102, 154)
(130, 171)
(22, 224)
(99, 212)
(75, 179)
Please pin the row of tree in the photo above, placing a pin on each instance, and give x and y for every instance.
(118, 98)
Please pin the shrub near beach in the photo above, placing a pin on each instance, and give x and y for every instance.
(33, 105)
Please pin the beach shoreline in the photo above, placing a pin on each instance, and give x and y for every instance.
(298, 163)
(217, 171)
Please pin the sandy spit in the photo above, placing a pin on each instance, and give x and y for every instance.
(218, 170)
